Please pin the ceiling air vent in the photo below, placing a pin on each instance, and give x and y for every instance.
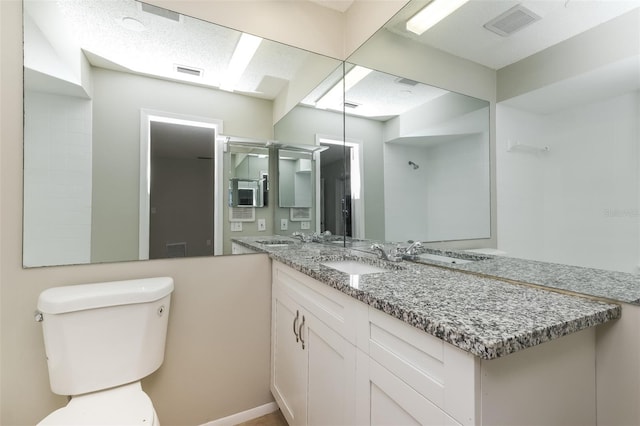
(351, 105)
(159, 11)
(406, 81)
(195, 72)
(512, 20)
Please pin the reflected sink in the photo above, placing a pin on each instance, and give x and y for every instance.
(354, 267)
(276, 243)
(444, 259)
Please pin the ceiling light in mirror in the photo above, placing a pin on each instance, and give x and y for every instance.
(244, 51)
(333, 99)
(431, 14)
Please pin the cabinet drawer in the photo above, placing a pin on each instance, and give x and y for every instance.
(439, 372)
(337, 310)
(392, 402)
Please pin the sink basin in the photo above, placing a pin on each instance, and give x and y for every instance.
(444, 259)
(354, 267)
(276, 243)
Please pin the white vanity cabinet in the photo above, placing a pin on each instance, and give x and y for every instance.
(361, 366)
(406, 376)
(313, 366)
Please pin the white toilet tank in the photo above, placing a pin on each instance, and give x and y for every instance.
(98, 336)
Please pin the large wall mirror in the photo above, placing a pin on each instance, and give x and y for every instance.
(124, 100)
(412, 155)
(567, 154)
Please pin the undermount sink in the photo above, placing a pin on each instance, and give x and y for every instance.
(354, 267)
(444, 259)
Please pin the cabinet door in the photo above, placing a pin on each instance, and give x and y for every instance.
(384, 399)
(288, 360)
(331, 375)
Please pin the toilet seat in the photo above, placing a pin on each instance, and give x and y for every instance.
(123, 405)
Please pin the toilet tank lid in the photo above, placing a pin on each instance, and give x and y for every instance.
(58, 300)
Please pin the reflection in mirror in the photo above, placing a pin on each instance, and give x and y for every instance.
(435, 158)
(294, 179)
(416, 157)
(567, 130)
(97, 74)
(176, 218)
(249, 176)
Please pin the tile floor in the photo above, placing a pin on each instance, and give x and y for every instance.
(273, 419)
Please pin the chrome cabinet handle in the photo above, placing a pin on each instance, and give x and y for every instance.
(300, 332)
(295, 320)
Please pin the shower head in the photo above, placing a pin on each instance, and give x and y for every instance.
(414, 165)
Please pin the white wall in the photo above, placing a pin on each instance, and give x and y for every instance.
(57, 179)
(578, 203)
(446, 198)
(405, 200)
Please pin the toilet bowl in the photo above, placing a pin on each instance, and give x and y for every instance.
(123, 405)
(100, 341)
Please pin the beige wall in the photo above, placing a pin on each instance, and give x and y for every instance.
(217, 358)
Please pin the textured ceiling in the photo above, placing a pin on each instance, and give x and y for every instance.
(98, 27)
(162, 44)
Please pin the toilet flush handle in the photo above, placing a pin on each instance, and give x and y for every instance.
(37, 315)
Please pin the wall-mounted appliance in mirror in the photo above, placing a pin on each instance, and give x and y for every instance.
(94, 72)
(248, 176)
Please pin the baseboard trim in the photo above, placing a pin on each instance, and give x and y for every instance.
(244, 416)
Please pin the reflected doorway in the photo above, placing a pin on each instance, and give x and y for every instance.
(340, 181)
(180, 198)
(335, 190)
(182, 190)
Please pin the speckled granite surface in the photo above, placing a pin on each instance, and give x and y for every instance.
(599, 283)
(486, 317)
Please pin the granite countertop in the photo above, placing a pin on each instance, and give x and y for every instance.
(599, 283)
(487, 317)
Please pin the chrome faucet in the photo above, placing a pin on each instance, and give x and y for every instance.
(299, 235)
(412, 250)
(382, 253)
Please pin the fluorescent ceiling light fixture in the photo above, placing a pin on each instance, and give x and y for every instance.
(431, 14)
(334, 97)
(245, 49)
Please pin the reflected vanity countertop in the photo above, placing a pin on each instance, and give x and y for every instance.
(599, 283)
(486, 317)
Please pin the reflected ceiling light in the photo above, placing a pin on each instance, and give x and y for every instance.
(334, 96)
(245, 49)
(431, 14)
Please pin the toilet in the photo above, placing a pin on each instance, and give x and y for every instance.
(100, 341)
